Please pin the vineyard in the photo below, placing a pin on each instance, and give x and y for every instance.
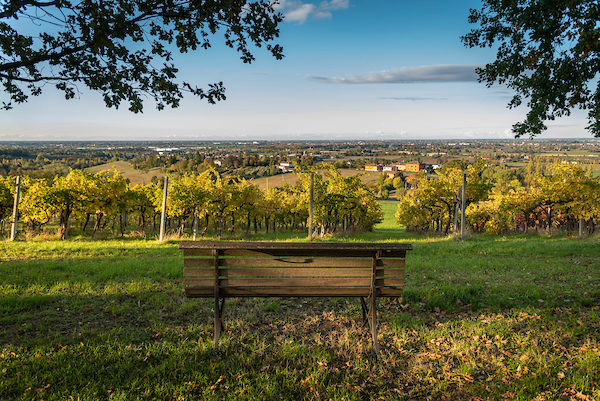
(545, 195)
(197, 203)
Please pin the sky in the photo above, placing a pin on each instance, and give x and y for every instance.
(353, 69)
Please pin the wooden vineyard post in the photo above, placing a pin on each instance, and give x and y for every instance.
(163, 217)
(310, 207)
(15, 215)
(463, 206)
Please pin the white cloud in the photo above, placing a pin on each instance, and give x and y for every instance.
(300, 13)
(297, 11)
(424, 74)
(325, 8)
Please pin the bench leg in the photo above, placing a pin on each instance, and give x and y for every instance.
(219, 309)
(365, 311)
(370, 317)
(373, 323)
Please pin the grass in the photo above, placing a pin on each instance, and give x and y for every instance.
(497, 318)
(388, 224)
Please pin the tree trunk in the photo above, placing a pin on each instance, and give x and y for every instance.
(97, 224)
(122, 224)
(87, 220)
(64, 222)
(142, 219)
(206, 224)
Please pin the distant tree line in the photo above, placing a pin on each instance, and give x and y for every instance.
(22, 161)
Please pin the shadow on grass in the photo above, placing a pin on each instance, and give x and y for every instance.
(150, 346)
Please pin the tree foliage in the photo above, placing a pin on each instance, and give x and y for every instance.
(560, 197)
(340, 202)
(548, 52)
(544, 195)
(432, 204)
(123, 48)
(7, 189)
(37, 201)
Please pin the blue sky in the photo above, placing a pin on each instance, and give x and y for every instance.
(353, 69)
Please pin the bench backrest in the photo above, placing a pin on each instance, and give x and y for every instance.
(276, 269)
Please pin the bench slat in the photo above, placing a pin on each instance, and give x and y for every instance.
(391, 282)
(300, 282)
(264, 262)
(260, 246)
(284, 282)
(390, 263)
(202, 282)
(348, 253)
(295, 272)
(389, 273)
(208, 291)
(292, 272)
(203, 292)
(198, 272)
(278, 272)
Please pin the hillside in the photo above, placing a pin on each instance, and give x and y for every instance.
(141, 177)
(127, 171)
(291, 178)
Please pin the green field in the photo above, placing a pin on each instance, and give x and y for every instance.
(126, 169)
(279, 180)
(485, 318)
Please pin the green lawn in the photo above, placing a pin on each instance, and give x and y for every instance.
(497, 318)
(389, 220)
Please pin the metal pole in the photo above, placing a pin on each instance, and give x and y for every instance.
(163, 217)
(310, 207)
(464, 206)
(15, 215)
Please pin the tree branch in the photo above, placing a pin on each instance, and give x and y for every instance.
(32, 80)
(14, 6)
(40, 58)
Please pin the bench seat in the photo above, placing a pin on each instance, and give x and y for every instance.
(222, 269)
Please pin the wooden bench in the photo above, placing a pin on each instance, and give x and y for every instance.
(222, 269)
